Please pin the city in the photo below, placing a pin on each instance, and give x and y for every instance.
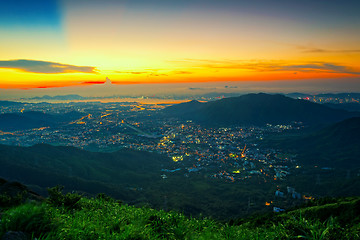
(231, 154)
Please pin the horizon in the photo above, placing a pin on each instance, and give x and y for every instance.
(180, 90)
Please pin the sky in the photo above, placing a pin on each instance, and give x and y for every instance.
(309, 45)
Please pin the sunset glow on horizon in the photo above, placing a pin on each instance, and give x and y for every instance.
(47, 44)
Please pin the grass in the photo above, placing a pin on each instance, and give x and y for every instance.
(30, 218)
(105, 218)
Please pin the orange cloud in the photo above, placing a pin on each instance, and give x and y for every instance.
(270, 66)
(305, 49)
(35, 66)
(93, 82)
(131, 72)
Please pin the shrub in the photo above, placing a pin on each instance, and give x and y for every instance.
(28, 218)
(104, 197)
(7, 200)
(58, 199)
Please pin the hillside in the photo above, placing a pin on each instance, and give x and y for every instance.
(34, 119)
(134, 177)
(334, 146)
(74, 217)
(9, 103)
(90, 172)
(256, 109)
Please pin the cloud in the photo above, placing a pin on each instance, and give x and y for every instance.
(320, 67)
(153, 73)
(93, 82)
(305, 49)
(157, 75)
(202, 88)
(181, 72)
(131, 72)
(34, 66)
(270, 66)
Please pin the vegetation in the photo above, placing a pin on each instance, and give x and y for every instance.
(60, 217)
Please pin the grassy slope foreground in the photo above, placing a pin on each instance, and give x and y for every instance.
(74, 217)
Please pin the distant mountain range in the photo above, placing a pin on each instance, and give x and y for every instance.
(34, 119)
(324, 95)
(256, 109)
(60, 97)
(9, 103)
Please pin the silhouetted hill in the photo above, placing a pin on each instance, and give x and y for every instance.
(9, 103)
(334, 146)
(34, 119)
(256, 109)
(187, 107)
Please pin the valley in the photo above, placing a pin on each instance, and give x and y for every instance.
(137, 153)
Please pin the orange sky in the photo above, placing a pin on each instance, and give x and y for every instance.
(129, 43)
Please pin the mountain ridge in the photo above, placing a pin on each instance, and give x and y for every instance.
(256, 109)
(34, 119)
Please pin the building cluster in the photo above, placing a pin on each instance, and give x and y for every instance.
(232, 153)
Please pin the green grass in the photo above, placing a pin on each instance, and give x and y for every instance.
(29, 218)
(105, 218)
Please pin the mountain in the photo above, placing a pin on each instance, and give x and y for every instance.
(34, 119)
(256, 109)
(9, 103)
(334, 146)
(60, 97)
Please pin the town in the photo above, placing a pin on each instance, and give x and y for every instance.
(231, 154)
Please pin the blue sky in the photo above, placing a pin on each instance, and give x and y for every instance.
(27, 13)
